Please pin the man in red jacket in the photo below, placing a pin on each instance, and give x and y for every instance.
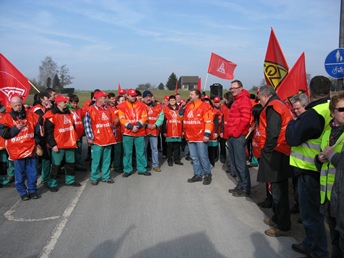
(237, 128)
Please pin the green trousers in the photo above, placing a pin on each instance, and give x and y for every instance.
(101, 161)
(128, 143)
(56, 160)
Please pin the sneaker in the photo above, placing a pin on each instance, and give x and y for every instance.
(25, 197)
(53, 189)
(109, 181)
(164, 156)
(188, 158)
(275, 232)
(269, 222)
(94, 182)
(125, 174)
(75, 184)
(233, 190)
(251, 165)
(34, 196)
(299, 248)
(241, 193)
(194, 179)
(156, 169)
(267, 203)
(207, 180)
(178, 163)
(146, 173)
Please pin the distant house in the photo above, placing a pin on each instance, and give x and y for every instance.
(188, 82)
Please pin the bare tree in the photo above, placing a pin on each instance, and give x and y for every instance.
(47, 71)
(65, 77)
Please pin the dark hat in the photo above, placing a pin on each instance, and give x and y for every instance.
(146, 93)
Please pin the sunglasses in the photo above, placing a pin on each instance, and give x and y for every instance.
(340, 109)
(234, 88)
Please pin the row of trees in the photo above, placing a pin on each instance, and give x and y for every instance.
(170, 84)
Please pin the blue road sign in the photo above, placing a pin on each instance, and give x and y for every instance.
(334, 63)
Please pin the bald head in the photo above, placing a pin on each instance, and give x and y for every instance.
(16, 104)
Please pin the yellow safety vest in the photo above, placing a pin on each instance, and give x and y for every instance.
(328, 171)
(302, 156)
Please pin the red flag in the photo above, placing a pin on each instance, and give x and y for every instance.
(176, 89)
(295, 82)
(120, 91)
(199, 84)
(275, 65)
(12, 82)
(119, 88)
(221, 67)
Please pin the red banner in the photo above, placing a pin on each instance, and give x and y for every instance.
(275, 65)
(220, 67)
(199, 84)
(295, 82)
(12, 82)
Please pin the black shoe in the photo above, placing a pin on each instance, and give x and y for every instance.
(10, 184)
(119, 171)
(194, 179)
(188, 158)
(233, 174)
(146, 173)
(178, 163)
(267, 203)
(25, 197)
(75, 184)
(80, 169)
(95, 182)
(109, 181)
(299, 248)
(207, 180)
(241, 193)
(53, 189)
(295, 209)
(88, 159)
(126, 174)
(170, 163)
(34, 196)
(233, 190)
(299, 221)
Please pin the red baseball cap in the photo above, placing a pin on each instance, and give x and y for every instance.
(99, 94)
(132, 93)
(60, 98)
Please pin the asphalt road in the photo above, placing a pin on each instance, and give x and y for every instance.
(139, 216)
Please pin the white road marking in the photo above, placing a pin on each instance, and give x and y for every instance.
(50, 245)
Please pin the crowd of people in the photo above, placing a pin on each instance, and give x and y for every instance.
(300, 141)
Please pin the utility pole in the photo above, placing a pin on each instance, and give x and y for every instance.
(340, 84)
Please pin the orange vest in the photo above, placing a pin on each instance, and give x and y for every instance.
(77, 115)
(38, 107)
(225, 120)
(23, 144)
(152, 115)
(173, 123)
(259, 138)
(131, 113)
(102, 124)
(198, 119)
(64, 131)
(119, 135)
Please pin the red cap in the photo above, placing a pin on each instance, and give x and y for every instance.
(205, 97)
(99, 94)
(166, 98)
(132, 93)
(60, 98)
(122, 92)
(217, 99)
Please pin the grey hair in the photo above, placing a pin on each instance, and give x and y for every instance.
(302, 98)
(267, 90)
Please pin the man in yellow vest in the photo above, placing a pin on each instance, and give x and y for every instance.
(304, 135)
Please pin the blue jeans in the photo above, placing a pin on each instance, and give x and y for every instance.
(200, 159)
(153, 140)
(25, 168)
(315, 241)
(237, 150)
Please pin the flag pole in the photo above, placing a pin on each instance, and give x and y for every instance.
(33, 86)
(206, 80)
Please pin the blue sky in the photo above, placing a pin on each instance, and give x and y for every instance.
(106, 42)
